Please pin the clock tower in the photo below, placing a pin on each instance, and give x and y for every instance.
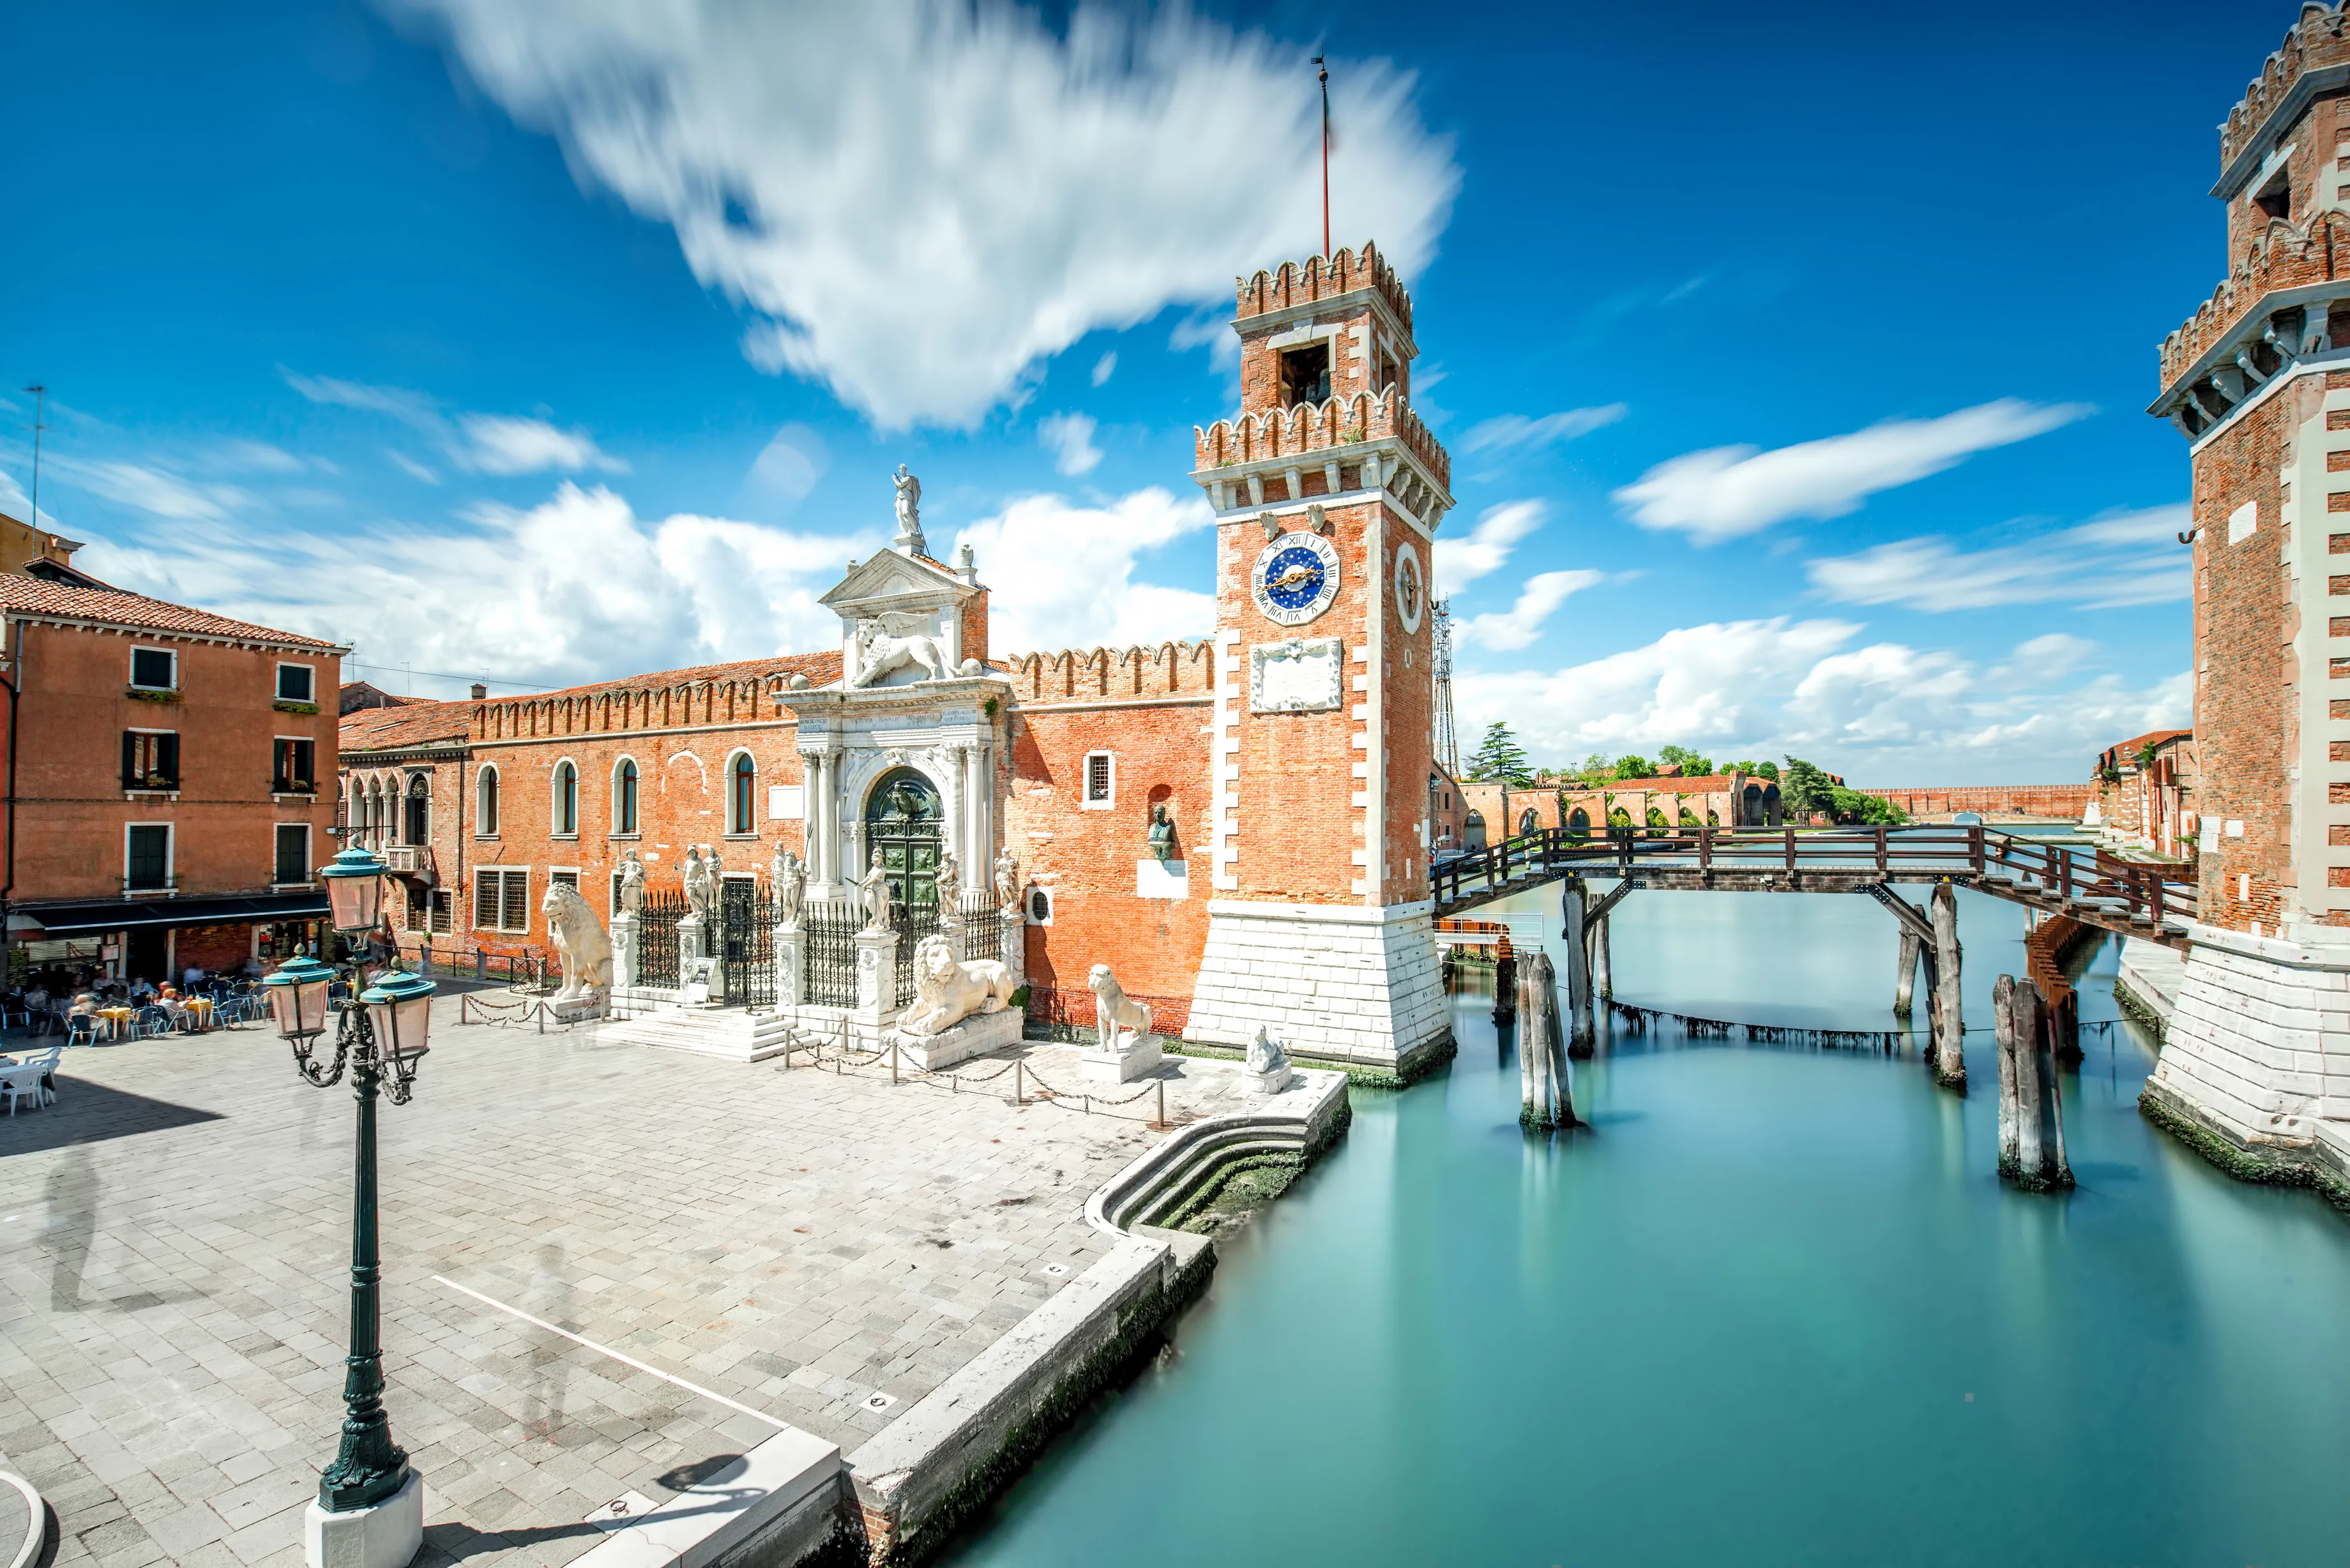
(1327, 491)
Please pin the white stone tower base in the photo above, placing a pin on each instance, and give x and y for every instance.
(1338, 983)
(2257, 1054)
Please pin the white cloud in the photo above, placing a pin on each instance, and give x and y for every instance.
(410, 408)
(1509, 432)
(503, 443)
(1881, 713)
(408, 465)
(15, 504)
(1070, 438)
(1460, 562)
(1105, 367)
(791, 464)
(1063, 575)
(819, 164)
(152, 490)
(2128, 558)
(1725, 492)
(254, 456)
(1523, 622)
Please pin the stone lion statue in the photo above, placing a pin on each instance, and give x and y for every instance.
(1114, 1011)
(580, 941)
(892, 648)
(947, 991)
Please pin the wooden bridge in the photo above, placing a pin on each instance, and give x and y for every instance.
(2117, 896)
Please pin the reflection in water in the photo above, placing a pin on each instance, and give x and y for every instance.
(72, 1201)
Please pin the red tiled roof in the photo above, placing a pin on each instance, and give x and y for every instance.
(821, 668)
(116, 606)
(409, 724)
(2154, 737)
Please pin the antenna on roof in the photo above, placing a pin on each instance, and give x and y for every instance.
(40, 397)
(1447, 742)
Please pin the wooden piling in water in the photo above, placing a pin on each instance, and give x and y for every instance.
(1950, 1024)
(1548, 1102)
(1573, 902)
(1603, 973)
(1906, 973)
(2028, 1047)
(2002, 1022)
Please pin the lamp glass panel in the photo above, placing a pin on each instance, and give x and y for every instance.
(358, 901)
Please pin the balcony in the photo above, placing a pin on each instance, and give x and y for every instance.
(410, 860)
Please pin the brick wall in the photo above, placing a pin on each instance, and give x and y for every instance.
(2067, 803)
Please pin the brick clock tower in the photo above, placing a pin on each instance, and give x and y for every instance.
(1327, 491)
(2257, 381)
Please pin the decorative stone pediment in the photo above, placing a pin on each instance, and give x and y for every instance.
(890, 581)
(900, 619)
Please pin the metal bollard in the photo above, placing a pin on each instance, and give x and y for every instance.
(1015, 1081)
(893, 1061)
(1162, 1103)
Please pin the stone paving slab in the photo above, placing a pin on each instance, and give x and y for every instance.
(820, 1249)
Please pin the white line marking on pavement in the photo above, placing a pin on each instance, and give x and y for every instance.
(607, 1350)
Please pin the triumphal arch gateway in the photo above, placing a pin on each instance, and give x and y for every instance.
(1237, 824)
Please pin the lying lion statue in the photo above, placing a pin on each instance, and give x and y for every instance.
(1114, 1011)
(947, 992)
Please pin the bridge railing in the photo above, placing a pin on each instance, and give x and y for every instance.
(1974, 854)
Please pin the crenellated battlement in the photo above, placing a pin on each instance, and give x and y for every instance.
(1318, 427)
(2285, 256)
(710, 694)
(1322, 278)
(2321, 38)
(1170, 669)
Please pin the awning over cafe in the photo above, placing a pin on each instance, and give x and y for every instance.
(82, 919)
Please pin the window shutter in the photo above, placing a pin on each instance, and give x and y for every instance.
(518, 901)
(486, 898)
(1098, 777)
(129, 760)
(167, 757)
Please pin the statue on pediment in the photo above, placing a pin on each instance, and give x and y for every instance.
(909, 514)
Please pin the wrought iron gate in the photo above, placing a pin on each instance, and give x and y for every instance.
(746, 934)
(657, 918)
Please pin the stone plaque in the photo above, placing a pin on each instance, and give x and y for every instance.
(1300, 676)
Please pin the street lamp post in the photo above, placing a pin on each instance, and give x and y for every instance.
(370, 1511)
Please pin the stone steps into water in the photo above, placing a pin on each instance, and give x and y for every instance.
(735, 1034)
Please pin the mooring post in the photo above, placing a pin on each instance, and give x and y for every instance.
(1548, 1103)
(2040, 1105)
(1906, 973)
(2002, 1022)
(1603, 976)
(1950, 1027)
(1574, 905)
(1505, 978)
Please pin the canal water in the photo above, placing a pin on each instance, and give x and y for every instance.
(1772, 1307)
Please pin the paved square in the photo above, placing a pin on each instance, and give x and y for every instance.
(822, 1250)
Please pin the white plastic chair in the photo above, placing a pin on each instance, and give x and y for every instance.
(24, 1083)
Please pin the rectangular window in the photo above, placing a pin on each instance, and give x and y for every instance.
(147, 858)
(1306, 376)
(151, 759)
(154, 670)
(1101, 780)
(568, 878)
(414, 903)
(444, 904)
(293, 852)
(297, 683)
(502, 899)
(294, 774)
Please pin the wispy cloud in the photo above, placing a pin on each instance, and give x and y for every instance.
(792, 461)
(1507, 432)
(1726, 492)
(1486, 549)
(410, 466)
(1070, 438)
(914, 268)
(485, 444)
(2127, 558)
(1105, 368)
(1518, 626)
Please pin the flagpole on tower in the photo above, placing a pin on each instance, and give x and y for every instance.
(1325, 155)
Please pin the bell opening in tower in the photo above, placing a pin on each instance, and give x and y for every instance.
(1306, 376)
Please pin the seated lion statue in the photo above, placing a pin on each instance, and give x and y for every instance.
(580, 941)
(947, 991)
(1114, 1011)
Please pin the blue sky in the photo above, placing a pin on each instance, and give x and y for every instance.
(1792, 361)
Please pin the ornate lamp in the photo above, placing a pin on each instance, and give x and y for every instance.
(297, 998)
(399, 1015)
(354, 890)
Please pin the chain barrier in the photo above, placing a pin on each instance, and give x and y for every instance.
(1028, 1086)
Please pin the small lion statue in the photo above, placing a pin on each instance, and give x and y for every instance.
(1114, 1012)
(947, 991)
(580, 941)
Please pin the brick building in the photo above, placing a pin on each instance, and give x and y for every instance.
(1241, 826)
(2258, 382)
(1929, 803)
(1496, 811)
(163, 808)
(2145, 796)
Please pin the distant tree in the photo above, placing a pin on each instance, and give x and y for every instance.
(1767, 770)
(1805, 791)
(1499, 757)
(1633, 766)
(1693, 764)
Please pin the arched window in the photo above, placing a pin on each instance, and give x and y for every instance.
(419, 828)
(624, 797)
(486, 803)
(567, 800)
(742, 786)
(1529, 821)
(1473, 832)
(1578, 825)
(375, 811)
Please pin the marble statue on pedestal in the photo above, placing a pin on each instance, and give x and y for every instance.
(947, 992)
(701, 878)
(1007, 881)
(909, 514)
(873, 894)
(580, 943)
(892, 640)
(633, 884)
(949, 883)
(1124, 1047)
(1162, 835)
(790, 885)
(1266, 1066)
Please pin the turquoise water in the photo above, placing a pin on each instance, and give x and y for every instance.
(1774, 1307)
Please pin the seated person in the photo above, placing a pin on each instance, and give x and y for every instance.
(142, 989)
(192, 976)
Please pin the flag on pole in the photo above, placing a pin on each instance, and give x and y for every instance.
(1325, 70)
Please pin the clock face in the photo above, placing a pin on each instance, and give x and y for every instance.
(1409, 595)
(1296, 578)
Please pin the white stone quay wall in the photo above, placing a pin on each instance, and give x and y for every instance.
(2258, 1047)
(1334, 981)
